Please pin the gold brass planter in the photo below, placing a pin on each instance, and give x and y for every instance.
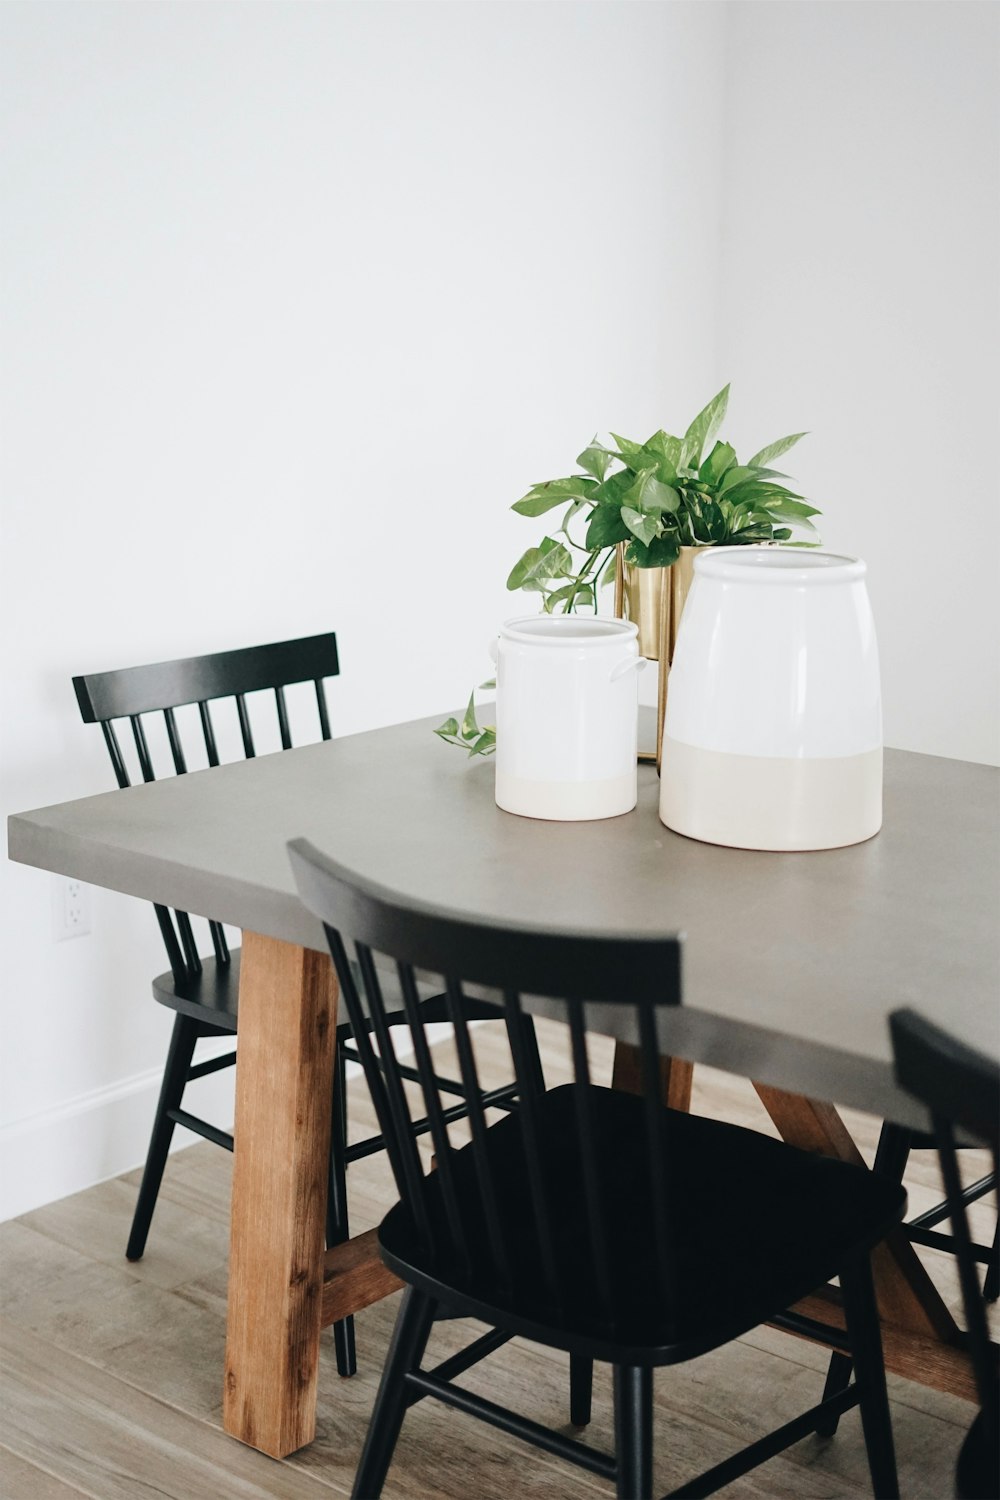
(654, 598)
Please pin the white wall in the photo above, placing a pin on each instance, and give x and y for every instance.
(300, 299)
(860, 276)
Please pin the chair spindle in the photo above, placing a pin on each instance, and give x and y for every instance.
(115, 751)
(176, 748)
(188, 943)
(219, 943)
(142, 749)
(211, 750)
(363, 1045)
(443, 1150)
(178, 967)
(284, 731)
(524, 1051)
(410, 1173)
(324, 716)
(457, 1006)
(659, 1156)
(588, 1155)
(245, 730)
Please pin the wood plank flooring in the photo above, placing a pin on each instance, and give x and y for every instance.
(111, 1372)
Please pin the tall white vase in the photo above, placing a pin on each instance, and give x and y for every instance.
(773, 731)
(566, 717)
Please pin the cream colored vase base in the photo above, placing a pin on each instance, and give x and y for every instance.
(770, 802)
(567, 801)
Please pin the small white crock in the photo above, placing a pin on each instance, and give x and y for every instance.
(567, 706)
(773, 729)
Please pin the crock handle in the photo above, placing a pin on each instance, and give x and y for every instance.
(634, 663)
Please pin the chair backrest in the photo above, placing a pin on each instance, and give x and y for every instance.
(461, 1222)
(961, 1088)
(162, 687)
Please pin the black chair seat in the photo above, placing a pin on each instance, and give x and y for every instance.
(757, 1225)
(212, 997)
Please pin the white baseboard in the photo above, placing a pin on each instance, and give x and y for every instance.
(97, 1135)
(105, 1132)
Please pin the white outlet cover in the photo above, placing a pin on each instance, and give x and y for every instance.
(71, 908)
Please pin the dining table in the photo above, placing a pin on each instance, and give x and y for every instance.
(792, 963)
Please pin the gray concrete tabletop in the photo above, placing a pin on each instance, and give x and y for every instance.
(792, 962)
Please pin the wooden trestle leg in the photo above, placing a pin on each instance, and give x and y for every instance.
(284, 1079)
(676, 1076)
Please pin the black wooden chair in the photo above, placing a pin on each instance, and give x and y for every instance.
(894, 1146)
(204, 992)
(591, 1220)
(892, 1153)
(961, 1089)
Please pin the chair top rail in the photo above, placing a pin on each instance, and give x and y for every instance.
(616, 968)
(956, 1082)
(199, 679)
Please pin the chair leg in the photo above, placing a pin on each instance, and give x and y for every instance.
(340, 1083)
(991, 1286)
(892, 1151)
(891, 1156)
(409, 1340)
(581, 1387)
(337, 1230)
(838, 1378)
(865, 1334)
(179, 1055)
(633, 1388)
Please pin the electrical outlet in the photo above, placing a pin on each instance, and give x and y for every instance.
(71, 911)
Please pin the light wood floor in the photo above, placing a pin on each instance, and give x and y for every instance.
(112, 1372)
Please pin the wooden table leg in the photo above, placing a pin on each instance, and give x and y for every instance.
(284, 1078)
(675, 1076)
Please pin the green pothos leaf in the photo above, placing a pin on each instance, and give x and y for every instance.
(721, 458)
(661, 552)
(573, 509)
(550, 559)
(641, 525)
(668, 450)
(606, 527)
(775, 450)
(649, 494)
(703, 429)
(470, 724)
(580, 594)
(595, 459)
(469, 735)
(545, 497)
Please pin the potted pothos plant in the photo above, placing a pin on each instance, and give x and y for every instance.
(656, 500)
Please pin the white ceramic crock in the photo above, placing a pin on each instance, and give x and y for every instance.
(567, 705)
(773, 730)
